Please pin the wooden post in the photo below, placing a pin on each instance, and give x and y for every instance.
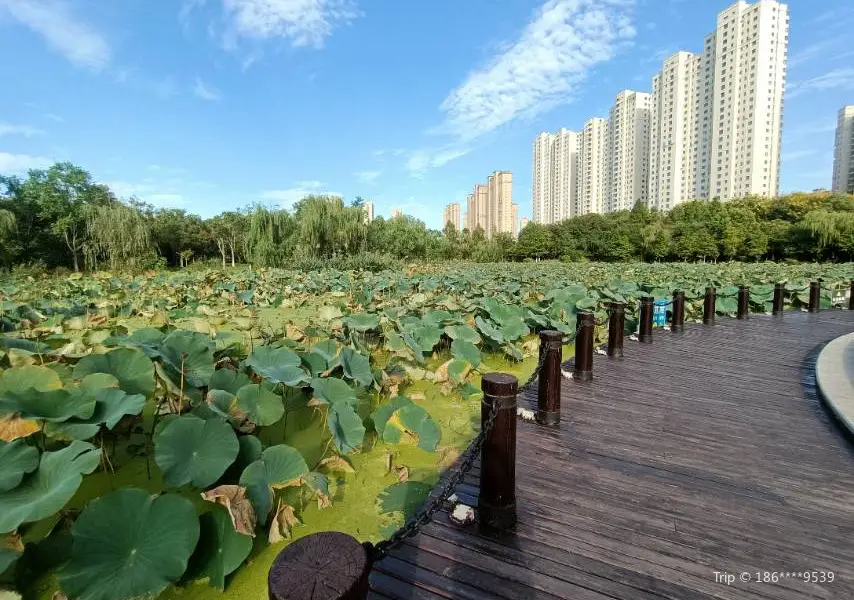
(586, 324)
(743, 302)
(709, 306)
(646, 307)
(332, 562)
(677, 322)
(779, 298)
(548, 400)
(815, 296)
(851, 295)
(616, 328)
(497, 500)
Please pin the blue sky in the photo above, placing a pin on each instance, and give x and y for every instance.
(209, 105)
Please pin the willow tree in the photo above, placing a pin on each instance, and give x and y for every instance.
(8, 226)
(269, 240)
(117, 234)
(327, 227)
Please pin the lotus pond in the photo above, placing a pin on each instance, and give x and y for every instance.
(169, 433)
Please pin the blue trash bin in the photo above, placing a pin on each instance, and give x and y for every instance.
(659, 313)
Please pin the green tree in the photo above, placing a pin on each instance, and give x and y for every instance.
(64, 194)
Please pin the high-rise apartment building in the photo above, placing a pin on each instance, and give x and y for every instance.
(673, 144)
(451, 215)
(592, 175)
(490, 205)
(396, 213)
(523, 222)
(716, 119)
(554, 193)
(714, 122)
(368, 208)
(751, 43)
(843, 155)
(628, 151)
(514, 219)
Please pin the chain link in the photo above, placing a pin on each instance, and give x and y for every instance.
(425, 515)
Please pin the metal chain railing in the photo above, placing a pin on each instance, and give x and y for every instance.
(425, 515)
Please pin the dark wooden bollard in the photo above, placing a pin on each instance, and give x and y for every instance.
(779, 298)
(583, 369)
(323, 566)
(815, 296)
(616, 328)
(743, 302)
(851, 295)
(497, 500)
(709, 306)
(647, 304)
(677, 322)
(548, 399)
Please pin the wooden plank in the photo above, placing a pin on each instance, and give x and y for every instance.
(705, 451)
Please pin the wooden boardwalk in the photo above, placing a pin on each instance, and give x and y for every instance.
(707, 451)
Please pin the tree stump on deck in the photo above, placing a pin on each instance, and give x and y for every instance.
(323, 566)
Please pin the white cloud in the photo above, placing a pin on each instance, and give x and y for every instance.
(835, 79)
(21, 163)
(155, 194)
(54, 118)
(75, 40)
(288, 197)
(24, 130)
(422, 160)
(544, 68)
(368, 176)
(303, 22)
(204, 91)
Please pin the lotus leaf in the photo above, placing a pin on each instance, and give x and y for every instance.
(233, 499)
(221, 549)
(147, 339)
(513, 329)
(20, 379)
(346, 427)
(489, 330)
(427, 337)
(131, 367)
(50, 487)
(228, 380)
(194, 450)
(382, 414)
(279, 365)
(356, 367)
(189, 353)
(414, 422)
(260, 405)
(111, 404)
(279, 466)
(330, 390)
(466, 351)
(362, 322)
(129, 544)
(53, 405)
(462, 333)
(16, 460)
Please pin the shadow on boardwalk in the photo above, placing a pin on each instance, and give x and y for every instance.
(707, 451)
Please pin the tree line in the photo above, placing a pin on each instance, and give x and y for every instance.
(61, 218)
